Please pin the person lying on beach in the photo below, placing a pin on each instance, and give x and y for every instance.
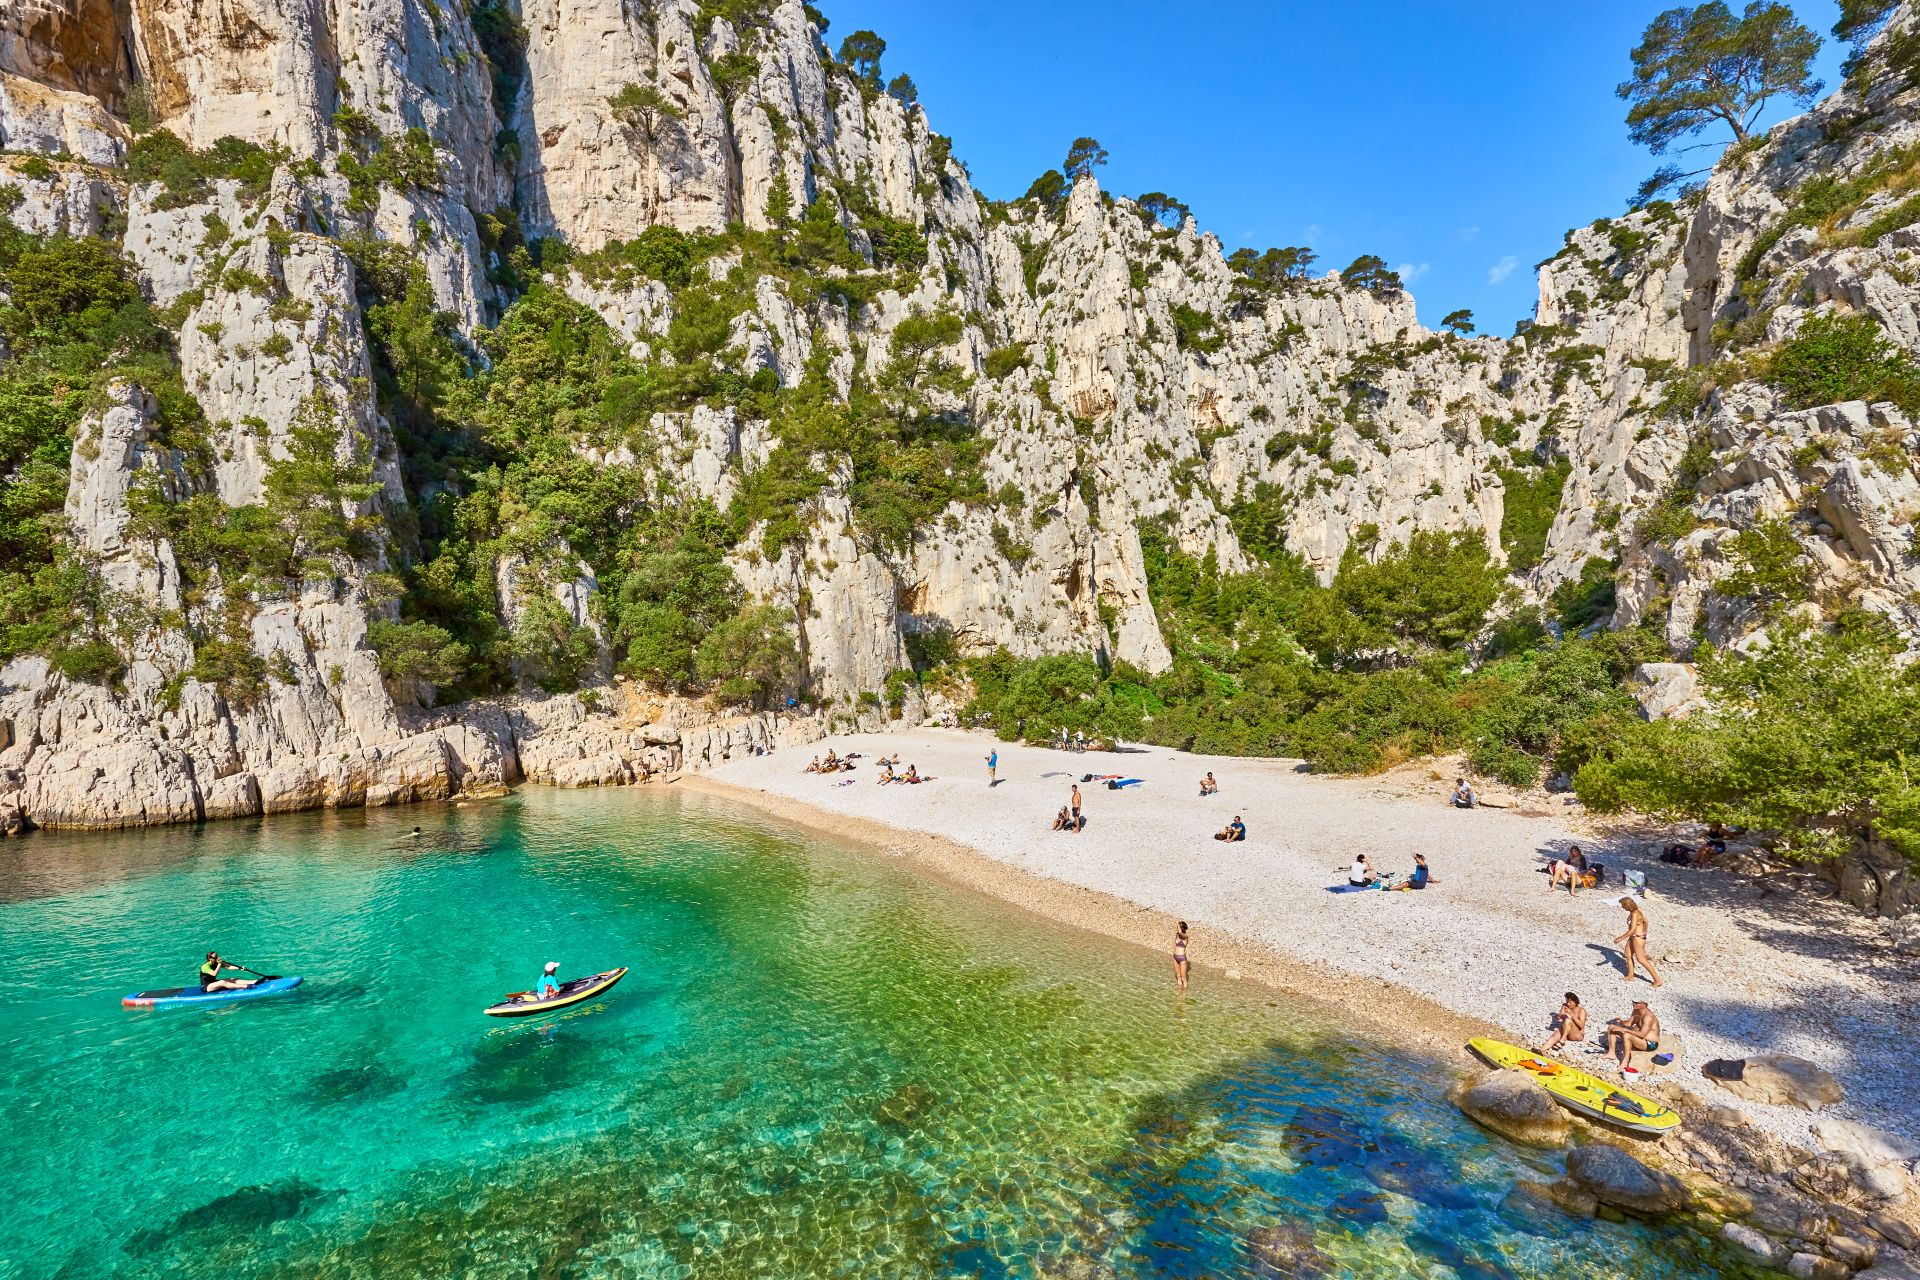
(1208, 787)
(1361, 874)
(1631, 1035)
(1569, 1024)
(1233, 832)
(1063, 821)
(1420, 878)
(1462, 794)
(1572, 869)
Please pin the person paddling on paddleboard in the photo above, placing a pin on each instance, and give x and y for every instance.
(210, 979)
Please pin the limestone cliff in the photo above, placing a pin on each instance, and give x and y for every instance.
(1121, 371)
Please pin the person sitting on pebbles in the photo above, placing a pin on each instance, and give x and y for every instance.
(886, 773)
(1208, 787)
(1421, 876)
(1063, 820)
(1569, 1024)
(1638, 1033)
(814, 766)
(1233, 832)
(1462, 794)
(1572, 869)
(1361, 874)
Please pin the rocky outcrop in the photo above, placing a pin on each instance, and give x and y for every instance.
(1777, 1079)
(1512, 1104)
(1614, 1177)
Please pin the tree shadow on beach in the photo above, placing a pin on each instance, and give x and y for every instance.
(1783, 911)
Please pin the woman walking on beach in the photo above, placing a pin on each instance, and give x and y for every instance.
(1180, 957)
(1634, 943)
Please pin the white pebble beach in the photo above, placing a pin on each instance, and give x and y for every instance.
(1745, 971)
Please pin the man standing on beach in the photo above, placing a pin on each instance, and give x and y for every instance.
(1077, 823)
(993, 764)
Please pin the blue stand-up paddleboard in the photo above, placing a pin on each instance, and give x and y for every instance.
(169, 997)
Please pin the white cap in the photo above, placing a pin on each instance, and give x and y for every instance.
(552, 965)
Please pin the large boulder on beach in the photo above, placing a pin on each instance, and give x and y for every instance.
(1616, 1177)
(1776, 1079)
(1513, 1105)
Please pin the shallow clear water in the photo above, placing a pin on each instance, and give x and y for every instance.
(818, 1066)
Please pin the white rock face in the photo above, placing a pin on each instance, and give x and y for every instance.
(1137, 378)
(37, 117)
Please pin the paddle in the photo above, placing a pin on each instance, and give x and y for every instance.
(255, 972)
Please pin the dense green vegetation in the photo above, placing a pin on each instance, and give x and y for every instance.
(73, 322)
(1355, 676)
(1810, 737)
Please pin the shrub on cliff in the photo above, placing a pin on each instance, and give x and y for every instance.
(1835, 358)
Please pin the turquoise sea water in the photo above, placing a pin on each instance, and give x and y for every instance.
(819, 1065)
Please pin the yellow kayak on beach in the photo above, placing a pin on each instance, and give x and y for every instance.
(1578, 1091)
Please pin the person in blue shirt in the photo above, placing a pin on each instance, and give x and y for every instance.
(1420, 876)
(548, 985)
(993, 766)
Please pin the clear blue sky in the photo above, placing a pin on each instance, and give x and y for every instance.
(1450, 138)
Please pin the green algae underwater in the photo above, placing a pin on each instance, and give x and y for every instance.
(819, 1065)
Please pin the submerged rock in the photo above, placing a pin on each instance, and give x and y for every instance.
(1285, 1252)
(903, 1109)
(1615, 1177)
(1512, 1104)
(240, 1210)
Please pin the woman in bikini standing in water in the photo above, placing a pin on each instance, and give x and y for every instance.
(1634, 942)
(1180, 957)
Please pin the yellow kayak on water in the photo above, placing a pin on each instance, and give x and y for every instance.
(1578, 1091)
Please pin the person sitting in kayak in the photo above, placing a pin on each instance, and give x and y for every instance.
(210, 979)
(549, 985)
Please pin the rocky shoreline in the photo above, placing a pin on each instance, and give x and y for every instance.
(73, 756)
(1849, 1207)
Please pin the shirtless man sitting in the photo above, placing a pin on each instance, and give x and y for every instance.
(1635, 1034)
(1208, 786)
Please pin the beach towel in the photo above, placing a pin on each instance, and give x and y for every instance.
(1349, 888)
(1115, 784)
